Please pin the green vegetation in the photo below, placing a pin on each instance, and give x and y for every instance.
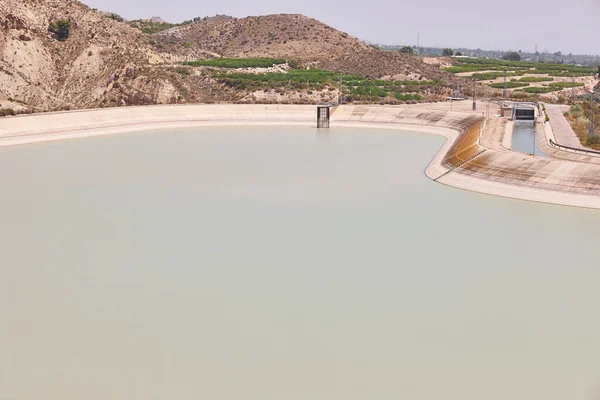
(486, 76)
(541, 90)
(579, 118)
(469, 68)
(406, 49)
(563, 85)
(418, 83)
(186, 44)
(529, 67)
(512, 56)
(355, 87)
(447, 52)
(60, 29)
(407, 96)
(116, 17)
(535, 79)
(297, 79)
(509, 85)
(149, 27)
(237, 62)
(547, 118)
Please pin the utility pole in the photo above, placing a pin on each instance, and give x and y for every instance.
(418, 44)
(504, 84)
(340, 91)
(474, 95)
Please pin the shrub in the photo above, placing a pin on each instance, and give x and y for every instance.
(186, 44)
(447, 52)
(60, 29)
(593, 140)
(583, 121)
(6, 111)
(116, 17)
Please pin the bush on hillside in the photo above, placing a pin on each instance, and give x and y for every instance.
(116, 17)
(60, 29)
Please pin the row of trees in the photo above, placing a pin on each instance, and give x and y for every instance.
(446, 52)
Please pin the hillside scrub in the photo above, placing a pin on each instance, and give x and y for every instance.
(149, 27)
(60, 29)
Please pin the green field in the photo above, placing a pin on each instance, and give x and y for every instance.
(535, 79)
(487, 76)
(237, 62)
(541, 90)
(509, 85)
(563, 85)
(355, 87)
(517, 68)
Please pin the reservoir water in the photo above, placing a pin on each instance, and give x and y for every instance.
(523, 140)
(280, 263)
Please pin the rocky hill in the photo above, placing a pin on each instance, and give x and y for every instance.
(61, 54)
(80, 70)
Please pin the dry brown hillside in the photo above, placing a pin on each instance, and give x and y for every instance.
(293, 37)
(88, 69)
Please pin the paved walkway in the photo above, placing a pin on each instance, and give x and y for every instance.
(563, 132)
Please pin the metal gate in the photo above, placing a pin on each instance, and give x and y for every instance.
(323, 116)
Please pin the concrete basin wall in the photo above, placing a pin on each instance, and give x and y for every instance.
(456, 164)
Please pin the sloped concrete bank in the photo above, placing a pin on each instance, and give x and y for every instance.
(462, 161)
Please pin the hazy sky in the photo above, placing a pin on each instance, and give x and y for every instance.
(496, 25)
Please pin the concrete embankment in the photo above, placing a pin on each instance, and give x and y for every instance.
(462, 162)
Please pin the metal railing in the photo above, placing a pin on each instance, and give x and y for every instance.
(573, 149)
